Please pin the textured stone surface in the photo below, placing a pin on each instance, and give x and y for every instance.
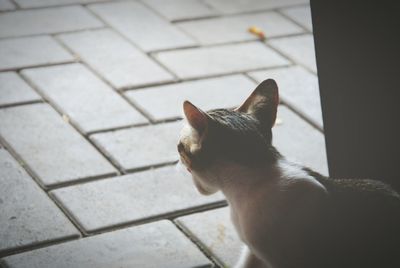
(15, 90)
(214, 231)
(298, 88)
(89, 102)
(299, 141)
(6, 5)
(235, 28)
(298, 48)
(239, 6)
(31, 51)
(166, 101)
(131, 198)
(47, 3)
(51, 148)
(141, 146)
(46, 21)
(158, 244)
(206, 61)
(142, 26)
(115, 59)
(28, 217)
(181, 9)
(301, 15)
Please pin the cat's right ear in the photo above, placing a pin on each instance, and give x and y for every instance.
(195, 117)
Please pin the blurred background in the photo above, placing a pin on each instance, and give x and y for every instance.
(91, 99)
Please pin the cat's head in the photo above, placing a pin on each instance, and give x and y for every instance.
(241, 136)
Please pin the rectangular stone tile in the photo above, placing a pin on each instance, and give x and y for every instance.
(235, 28)
(165, 102)
(298, 88)
(141, 146)
(14, 90)
(6, 5)
(48, 3)
(142, 26)
(215, 233)
(299, 141)
(301, 15)
(115, 59)
(131, 198)
(158, 244)
(181, 9)
(31, 51)
(89, 102)
(300, 49)
(207, 61)
(50, 147)
(46, 21)
(28, 216)
(239, 6)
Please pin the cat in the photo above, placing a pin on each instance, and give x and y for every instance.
(286, 214)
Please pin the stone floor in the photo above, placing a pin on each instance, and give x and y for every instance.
(90, 108)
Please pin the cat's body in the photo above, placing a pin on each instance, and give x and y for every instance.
(287, 215)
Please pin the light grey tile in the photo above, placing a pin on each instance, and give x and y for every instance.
(15, 90)
(208, 61)
(31, 51)
(301, 15)
(158, 244)
(215, 232)
(299, 142)
(89, 102)
(300, 49)
(115, 59)
(181, 9)
(235, 28)
(6, 5)
(164, 102)
(298, 88)
(239, 6)
(142, 26)
(46, 21)
(51, 148)
(28, 217)
(48, 3)
(132, 198)
(141, 146)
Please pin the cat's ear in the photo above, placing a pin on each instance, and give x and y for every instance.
(262, 102)
(196, 117)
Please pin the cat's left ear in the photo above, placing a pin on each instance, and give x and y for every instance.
(196, 117)
(263, 102)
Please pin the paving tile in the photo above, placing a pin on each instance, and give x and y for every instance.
(48, 3)
(15, 90)
(141, 146)
(89, 102)
(181, 9)
(214, 231)
(142, 26)
(6, 5)
(31, 51)
(164, 102)
(301, 15)
(298, 88)
(116, 59)
(207, 61)
(235, 28)
(50, 147)
(298, 48)
(239, 6)
(46, 21)
(131, 198)
(300, 142)
(158, 244)
(28, 216)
